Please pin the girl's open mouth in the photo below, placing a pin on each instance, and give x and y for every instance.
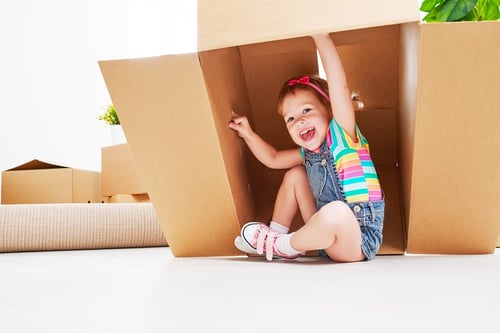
(307, 134)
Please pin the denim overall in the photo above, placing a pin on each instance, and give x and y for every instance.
(326, 187)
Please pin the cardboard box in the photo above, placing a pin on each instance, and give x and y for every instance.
(119, 172)
(40, 182)
(450, 137)
(423, 128)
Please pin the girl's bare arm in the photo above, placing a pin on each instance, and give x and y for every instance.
(262, 150)
(340, 95)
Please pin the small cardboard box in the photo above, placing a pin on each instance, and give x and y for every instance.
(119, 172)
(40, 182)
(430, 96)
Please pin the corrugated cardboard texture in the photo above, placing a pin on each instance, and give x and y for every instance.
(455, 184)
(229, 23)
(119, 174)
(227, 91)
(166, 114)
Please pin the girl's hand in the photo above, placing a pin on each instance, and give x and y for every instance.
(241, 125)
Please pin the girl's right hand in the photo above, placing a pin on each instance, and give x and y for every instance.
(241, 125)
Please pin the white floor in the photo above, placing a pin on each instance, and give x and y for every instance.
(149, 290)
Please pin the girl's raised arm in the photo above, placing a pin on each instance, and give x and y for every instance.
(340, 95)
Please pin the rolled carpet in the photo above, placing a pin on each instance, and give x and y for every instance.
(47, 227)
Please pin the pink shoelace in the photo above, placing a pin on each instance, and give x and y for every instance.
(265, 240)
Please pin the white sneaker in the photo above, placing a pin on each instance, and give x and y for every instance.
(261, 239)
(243, 246)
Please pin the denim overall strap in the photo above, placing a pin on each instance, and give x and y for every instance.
(323, 176)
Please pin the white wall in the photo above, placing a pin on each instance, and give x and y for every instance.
(51, 88)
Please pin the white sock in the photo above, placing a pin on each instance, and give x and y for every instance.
(284, 246)
(279, 228)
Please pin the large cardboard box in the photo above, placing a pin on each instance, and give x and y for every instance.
(430, 97)
(41, 182)
(119, 174)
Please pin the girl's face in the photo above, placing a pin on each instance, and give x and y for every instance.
(306, 119)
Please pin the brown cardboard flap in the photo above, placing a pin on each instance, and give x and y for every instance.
(455, 185)
(166, 114)
(230, 23)
(227, 93)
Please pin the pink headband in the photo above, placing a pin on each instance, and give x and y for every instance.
(305, 80)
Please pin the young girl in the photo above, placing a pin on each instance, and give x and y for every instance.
(332, 179)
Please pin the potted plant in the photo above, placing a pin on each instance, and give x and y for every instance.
(110, 117)
(460, 10)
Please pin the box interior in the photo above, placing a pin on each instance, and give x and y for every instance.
(260, 70)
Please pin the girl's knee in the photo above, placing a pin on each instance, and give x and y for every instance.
(337, 206)
(296, 172)
(295, 175)
(336, 212)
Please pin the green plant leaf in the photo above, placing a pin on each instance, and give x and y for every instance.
(490, 10)
(428, 5)
(430, 18)
(455, 10)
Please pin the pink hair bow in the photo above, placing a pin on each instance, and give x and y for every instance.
(305, 80)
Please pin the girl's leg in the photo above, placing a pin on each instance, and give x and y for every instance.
(333, 228)
(294, 194)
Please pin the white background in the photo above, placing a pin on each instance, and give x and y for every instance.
(51, 89)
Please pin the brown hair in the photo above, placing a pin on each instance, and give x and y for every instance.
(295, 84)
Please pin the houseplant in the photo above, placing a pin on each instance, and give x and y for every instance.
(460, 10)
(110, 117)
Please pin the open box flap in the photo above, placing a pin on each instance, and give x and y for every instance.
(455, 183)
(166, 114)
(35, 165)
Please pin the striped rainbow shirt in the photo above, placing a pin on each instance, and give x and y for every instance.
(354, 165)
